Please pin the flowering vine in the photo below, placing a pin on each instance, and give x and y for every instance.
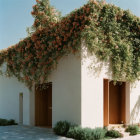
(109, 32)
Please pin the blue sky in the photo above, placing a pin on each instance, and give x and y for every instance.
(15, 16)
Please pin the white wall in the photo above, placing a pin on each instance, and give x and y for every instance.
(66, 94)
(66, 90)
(77, 93)
(135, 103)
(9, 99)
(92, 74)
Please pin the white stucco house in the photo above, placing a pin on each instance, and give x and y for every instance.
(79, 90)
(80, 94)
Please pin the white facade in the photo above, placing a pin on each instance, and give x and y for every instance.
(135, 103)
(77, 93)
(10, 90)
(66, 95)
(92, 74)
(92, 77)
(66, 90)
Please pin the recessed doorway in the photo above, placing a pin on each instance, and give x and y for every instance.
(43, 105)
(116, 102)
(20, 108)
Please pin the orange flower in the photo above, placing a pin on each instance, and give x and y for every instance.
(37, 1)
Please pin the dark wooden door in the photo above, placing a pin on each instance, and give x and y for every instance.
(43, 105)
(106, 102)
(123, 103)
(116, 103)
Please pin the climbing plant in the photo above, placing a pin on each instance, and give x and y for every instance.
(109, 32)
(44, 15)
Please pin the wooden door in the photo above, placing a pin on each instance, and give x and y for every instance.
(21, 108)
(106, 102)
(43, 105)
(116, 103)
(123, 103)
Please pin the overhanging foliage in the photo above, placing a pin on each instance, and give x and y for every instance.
(109, 32)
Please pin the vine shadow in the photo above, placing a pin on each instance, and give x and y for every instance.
(94, 65)
(135, 112)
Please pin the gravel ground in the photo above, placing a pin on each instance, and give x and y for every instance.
(27, 133)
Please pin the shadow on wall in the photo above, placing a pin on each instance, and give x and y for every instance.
(135, 114)
(95, 66)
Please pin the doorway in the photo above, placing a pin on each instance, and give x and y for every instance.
(43, 105)
(20, 108)
(114, 102)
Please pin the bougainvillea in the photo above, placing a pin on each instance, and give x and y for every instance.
(109, 32)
